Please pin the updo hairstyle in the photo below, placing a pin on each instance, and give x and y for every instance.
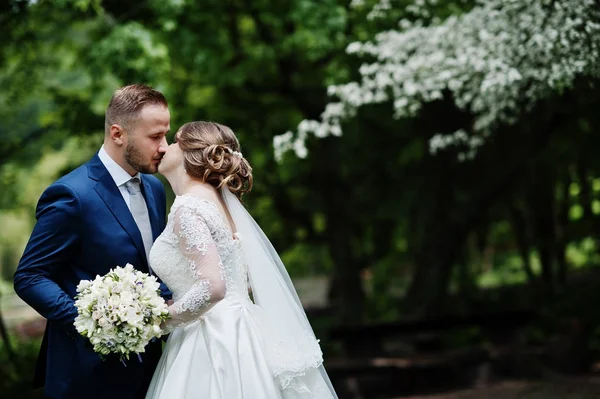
(212, 154)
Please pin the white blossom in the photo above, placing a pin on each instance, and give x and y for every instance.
(379, 10)
(496, 62)
(120, 312)
(282, 143)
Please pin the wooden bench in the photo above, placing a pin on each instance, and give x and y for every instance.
(425, 334)
(411, 356)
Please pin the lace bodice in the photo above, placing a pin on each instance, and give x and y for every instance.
(197, 257)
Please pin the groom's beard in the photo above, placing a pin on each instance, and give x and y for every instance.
(134, 157)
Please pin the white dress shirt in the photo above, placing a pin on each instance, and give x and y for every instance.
(117, 173)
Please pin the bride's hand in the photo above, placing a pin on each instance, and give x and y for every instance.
(166, 328)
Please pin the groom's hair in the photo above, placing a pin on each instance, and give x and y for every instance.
(127, 102)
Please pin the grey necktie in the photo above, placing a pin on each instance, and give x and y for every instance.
(139, 210)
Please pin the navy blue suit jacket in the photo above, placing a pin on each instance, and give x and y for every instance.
(84, 228)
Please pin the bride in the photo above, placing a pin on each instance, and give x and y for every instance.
(224, 344)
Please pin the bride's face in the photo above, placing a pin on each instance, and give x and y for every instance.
(173, 158)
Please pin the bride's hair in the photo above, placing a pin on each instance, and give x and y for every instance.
(211, 153)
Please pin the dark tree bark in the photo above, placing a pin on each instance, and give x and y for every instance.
(562, 221)
(523, 236)
(441, 241)
(543, 206)
(346, 290)
(585, 193)
(346, 293)
(6, 339)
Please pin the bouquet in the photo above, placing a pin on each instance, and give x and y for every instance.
(120, 312)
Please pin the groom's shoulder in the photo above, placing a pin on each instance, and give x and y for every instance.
(70, 187)
(76, 180)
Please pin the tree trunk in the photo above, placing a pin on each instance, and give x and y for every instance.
(585, 192)
(429, 287)
(542, 205)
(562, 221)
(439, 243)
(520, 228)
(6, 339)
(346, 290)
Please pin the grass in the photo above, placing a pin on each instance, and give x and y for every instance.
(15, 380)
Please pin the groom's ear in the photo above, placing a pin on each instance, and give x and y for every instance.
(116, 134)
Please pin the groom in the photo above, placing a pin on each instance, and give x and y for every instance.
(105, 213)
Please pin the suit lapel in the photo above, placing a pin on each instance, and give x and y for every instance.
(151, 204)
(110, 194)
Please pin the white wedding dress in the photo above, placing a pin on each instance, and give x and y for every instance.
(217, 348)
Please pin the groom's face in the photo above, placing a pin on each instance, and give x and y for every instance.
(146, 141)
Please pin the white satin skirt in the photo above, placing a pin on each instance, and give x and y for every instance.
(220, 356)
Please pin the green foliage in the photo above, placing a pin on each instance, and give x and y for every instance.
(374, 205)
(140, 55)
(15, 382)
(303, 260)
(241, 64)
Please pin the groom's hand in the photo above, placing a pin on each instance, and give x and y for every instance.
(53, 244)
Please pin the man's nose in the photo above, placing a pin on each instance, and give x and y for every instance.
(163, 145)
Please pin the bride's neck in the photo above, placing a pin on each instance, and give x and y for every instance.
(194, 187)
(182, 183)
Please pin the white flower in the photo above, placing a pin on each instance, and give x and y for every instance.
(496, 61)
(120, 312)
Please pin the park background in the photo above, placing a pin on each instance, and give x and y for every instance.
(429, 170)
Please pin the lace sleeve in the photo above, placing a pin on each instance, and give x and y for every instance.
(197, 245)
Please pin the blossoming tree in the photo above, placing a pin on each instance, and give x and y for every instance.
(496, 62)
(499, 63)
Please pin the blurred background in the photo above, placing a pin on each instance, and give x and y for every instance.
(427, 169)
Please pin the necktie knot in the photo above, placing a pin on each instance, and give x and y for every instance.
(133, 186)
(139, 211)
